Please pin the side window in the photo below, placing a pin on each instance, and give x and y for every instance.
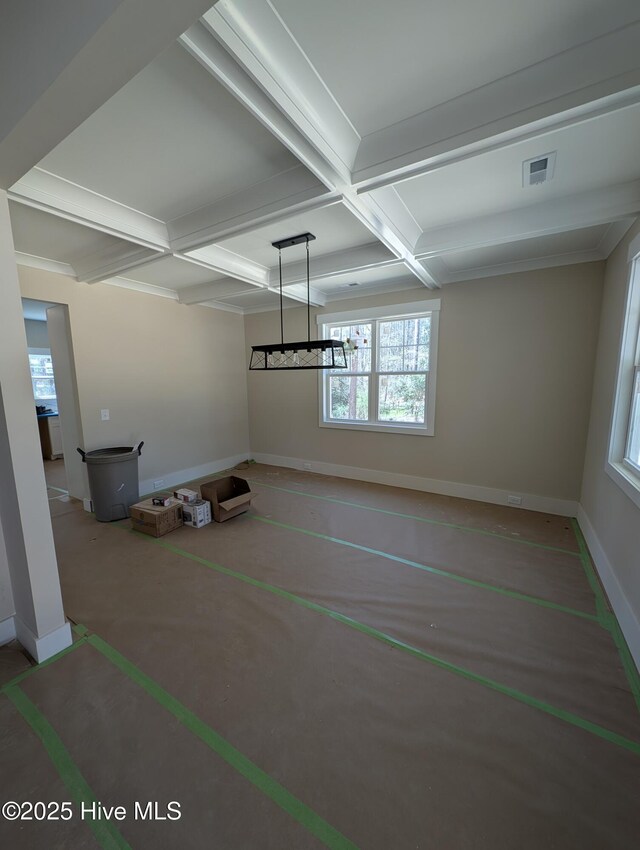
(623, 462)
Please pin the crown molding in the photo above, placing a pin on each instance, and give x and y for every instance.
(501, 269)
(50, 193)
(586, 209)
(32, 262)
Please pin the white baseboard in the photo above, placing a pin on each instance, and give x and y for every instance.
(619, 602)
(531, 502)
(7, 630)
(43, 647)
(170, 479)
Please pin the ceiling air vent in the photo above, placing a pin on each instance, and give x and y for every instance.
(538, 170)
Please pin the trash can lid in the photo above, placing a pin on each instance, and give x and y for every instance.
(112, 455)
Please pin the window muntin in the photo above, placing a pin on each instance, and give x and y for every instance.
(41, 367)
(623, 459)
(632, 453)
(387, 382)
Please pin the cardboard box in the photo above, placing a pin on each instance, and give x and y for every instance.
(156, 520)
(185, 495)
(228, 496)
(196, 514)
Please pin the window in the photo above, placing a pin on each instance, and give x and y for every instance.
(389, 383)
(632, 454)
(44, 388)
(623, 463)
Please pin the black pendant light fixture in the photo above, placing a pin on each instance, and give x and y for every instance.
(308, 354)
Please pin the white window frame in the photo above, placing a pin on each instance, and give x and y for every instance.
(617, 466)
(374, 314)
(41, 352)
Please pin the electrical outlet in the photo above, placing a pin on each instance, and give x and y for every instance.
(306, 465)
(104, 414)
(159, 484)
(514, 500)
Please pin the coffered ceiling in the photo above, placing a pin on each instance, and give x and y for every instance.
(396, 133)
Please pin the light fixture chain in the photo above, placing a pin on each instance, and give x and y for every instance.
(308, 291)
(281, 313)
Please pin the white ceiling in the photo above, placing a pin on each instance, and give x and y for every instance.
(171, 141)
(387, 61)
(542, 247)
(334, 227)
(46, 235)
(590, 155)
(172, 273)
(395, 133)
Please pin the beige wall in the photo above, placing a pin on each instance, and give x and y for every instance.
(615, 519)
(515, 366)
(171, 375)
(7, 608)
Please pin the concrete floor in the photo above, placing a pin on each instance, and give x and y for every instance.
(346, 665)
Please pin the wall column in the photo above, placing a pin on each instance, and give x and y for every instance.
(24, 510)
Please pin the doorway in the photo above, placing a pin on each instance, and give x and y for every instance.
(55, 397)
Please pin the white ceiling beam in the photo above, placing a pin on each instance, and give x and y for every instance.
(220, 305)
(72, 57)
(283, 195)
(138, 286)
(42, 263)
(203, 44)
(287, 75)
(371, 214)
(266, 63)
(576, 85)
(226, 262)
(298, 292)
(373, 255)
(52, 194)
(113, 261)
(213, 291)
(586, 209)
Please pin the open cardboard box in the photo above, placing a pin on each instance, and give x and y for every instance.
(228, 496)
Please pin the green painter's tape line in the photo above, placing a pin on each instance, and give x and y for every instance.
(602, 609)
(512, 594)
(105, 832)
(59, 489)
(567, 716)
(296, 808)
(81, 630)
(40, 666)
(606, 617)
(628, 663)
(468, 528)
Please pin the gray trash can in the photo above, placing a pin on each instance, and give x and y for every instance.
(113, 480)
